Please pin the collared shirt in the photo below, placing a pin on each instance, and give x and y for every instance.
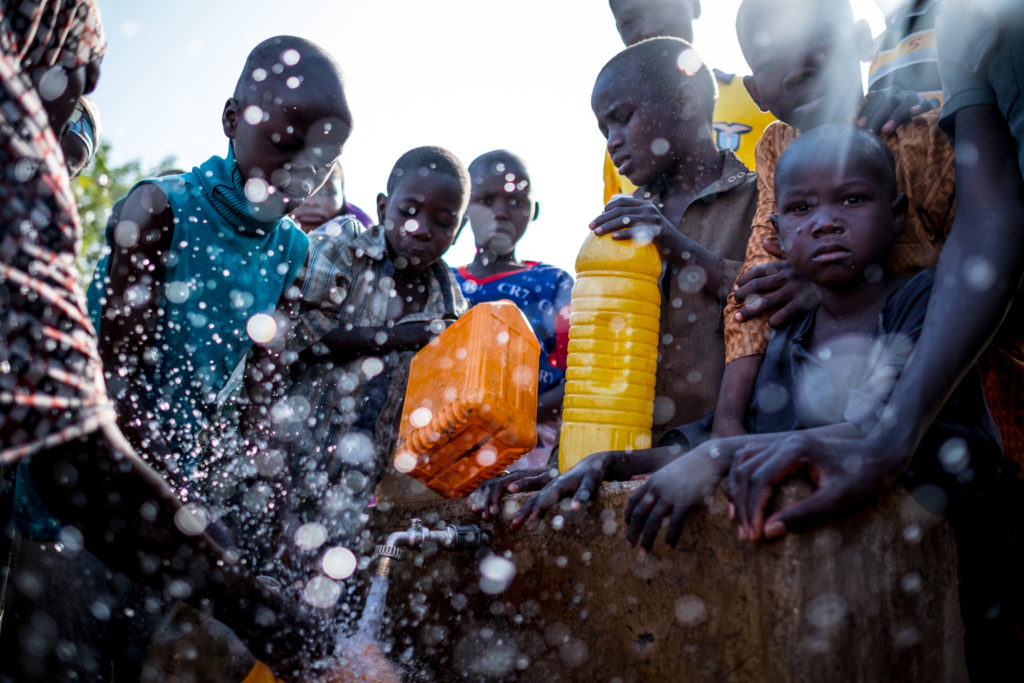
(345, 415)
(924, 172)
(691, 353)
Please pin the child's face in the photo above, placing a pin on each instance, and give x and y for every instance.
(422, 217)
(499, 208)
(835, 218)
(805, 64)
(286, 149)
(642, 129)
(637, 20)
(325, 204)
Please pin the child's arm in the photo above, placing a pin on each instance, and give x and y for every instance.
(734, 396)
(679, 486)
(583, 479)
(346, 344)
(885, 109)
(632, 217)
(135, 288)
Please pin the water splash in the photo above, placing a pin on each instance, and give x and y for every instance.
(373, 614)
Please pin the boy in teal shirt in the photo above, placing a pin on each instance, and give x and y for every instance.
(198, 260)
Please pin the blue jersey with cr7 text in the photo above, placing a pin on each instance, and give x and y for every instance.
(542, 293)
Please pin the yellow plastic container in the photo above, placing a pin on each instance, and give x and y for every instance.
(613, 349)
(471, 403)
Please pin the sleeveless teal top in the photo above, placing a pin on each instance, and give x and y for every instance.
(229, 260)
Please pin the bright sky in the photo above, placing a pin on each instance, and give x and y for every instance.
(469, 75)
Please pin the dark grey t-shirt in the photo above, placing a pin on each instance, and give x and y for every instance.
(981, 60)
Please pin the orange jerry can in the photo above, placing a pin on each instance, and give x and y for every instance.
(471, 402)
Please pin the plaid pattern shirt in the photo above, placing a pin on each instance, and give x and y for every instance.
(346, 414)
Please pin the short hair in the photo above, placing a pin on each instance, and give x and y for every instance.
(485, 163)
(663, 63)
(748, 9)
(436, 159)
(848, 142)
(275, 59)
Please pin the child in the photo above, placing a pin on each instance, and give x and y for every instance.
(805, 58)
(328, 202)
(196, 257)
(738, 123)
(499, 211)
(831, 371)
(694, 200)
(55, 414)
(369, 301)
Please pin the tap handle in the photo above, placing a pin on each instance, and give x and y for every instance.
(469, 537)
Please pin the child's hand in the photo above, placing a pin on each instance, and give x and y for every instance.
(671, 493)
(843, 470)
(773, 286)
(487, 496)
(581, 482)
(886, 109)
(631, 218)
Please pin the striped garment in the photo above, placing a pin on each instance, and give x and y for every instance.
(51, 384)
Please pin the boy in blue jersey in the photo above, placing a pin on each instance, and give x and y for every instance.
(499, 210)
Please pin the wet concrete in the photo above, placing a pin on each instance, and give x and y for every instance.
(871, 596)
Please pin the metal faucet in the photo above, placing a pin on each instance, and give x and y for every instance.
(452, 537)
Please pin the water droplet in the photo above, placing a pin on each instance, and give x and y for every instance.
(339, 563)
(486, 457)
(405, 461)
(126, 234)
(293, 82)
(261, 328)
(373, 366)
(659, 146)
(176, 292)
(690, 610)
(253, 115)
(291, 57)
(310, 536)
(259, 74)
(911, 583)
(53, 83)
(256, 190)
(411, 225)
(954, 456)
(689, 62)
(979, 273)
(72, 539)
(321, 592)
(496, 573)
(420, 417)
(192, 519)
(826, 611)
